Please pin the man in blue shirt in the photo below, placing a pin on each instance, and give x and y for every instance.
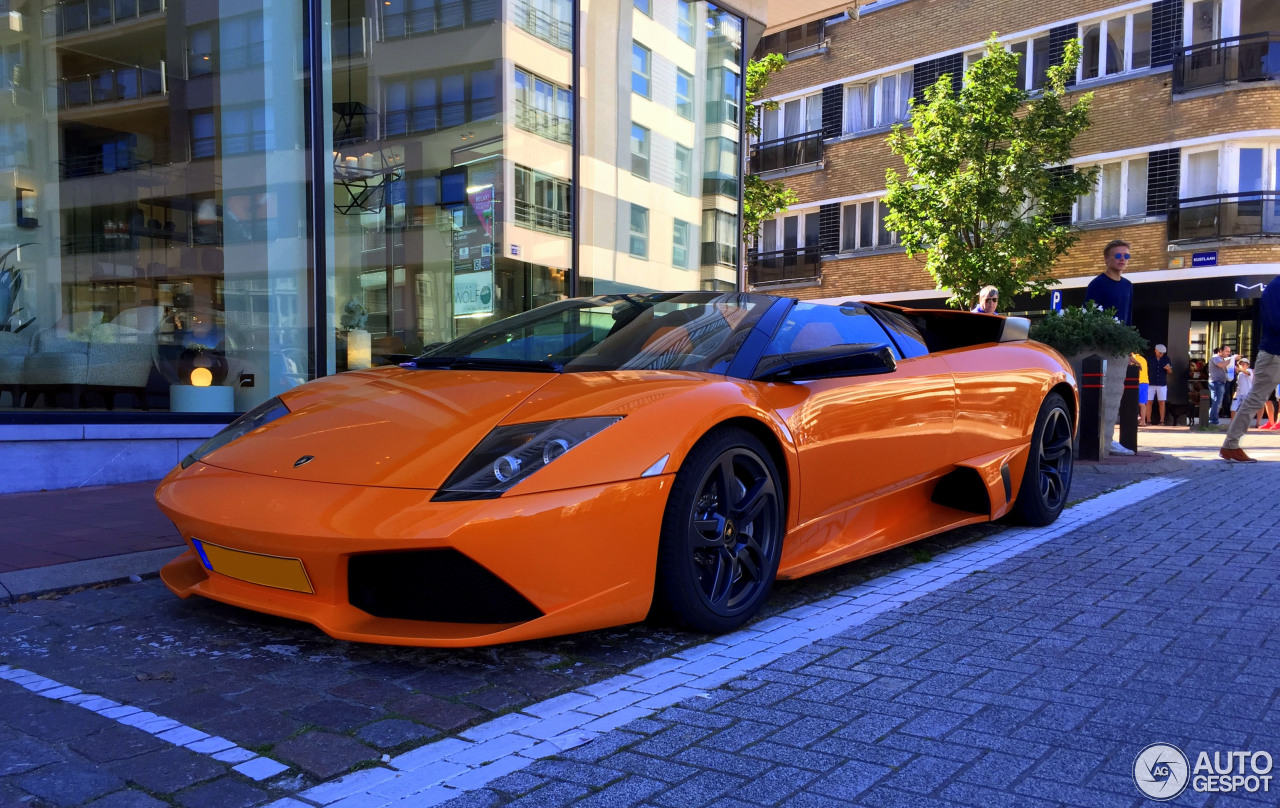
(1159, 390)
(1266, 373)
(1111, 291)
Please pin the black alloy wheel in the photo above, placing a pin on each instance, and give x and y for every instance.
(721, 534)
(1046, 483)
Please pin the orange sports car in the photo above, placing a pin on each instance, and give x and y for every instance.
(586, 463)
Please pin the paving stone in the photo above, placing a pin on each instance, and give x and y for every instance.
(435, 712)
(774, 785)
(372, 692)
(323, 754)
(252, 727)
(652, 767)
(67, 784)
(116, 742)
(225, 792)
(699, 789)
(393, 732)
(127, 798)
(20, 754)
(336, 715)
(849, 780)
(623, 794)
(167, 770)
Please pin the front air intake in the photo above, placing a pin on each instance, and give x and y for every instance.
(437, 585)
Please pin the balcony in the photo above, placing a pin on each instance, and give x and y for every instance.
(78, 16)
(112, 86)
(1254, 57)
(1209, 218)
(542, 25)
(541, 122)
(784, 266)
(548, 220)
(787, 152)
(444, 16)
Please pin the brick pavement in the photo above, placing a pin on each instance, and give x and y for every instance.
(281, 689)
(1033, 683)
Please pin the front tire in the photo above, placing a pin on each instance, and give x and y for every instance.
(1046, 482)
(721, 534)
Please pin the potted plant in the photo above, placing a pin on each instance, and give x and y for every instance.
(1078, 332)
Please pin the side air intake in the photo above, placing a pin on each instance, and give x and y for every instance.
(963, 489)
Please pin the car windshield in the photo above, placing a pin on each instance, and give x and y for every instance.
(698, 331)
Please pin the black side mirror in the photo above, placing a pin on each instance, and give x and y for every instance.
(825, 363)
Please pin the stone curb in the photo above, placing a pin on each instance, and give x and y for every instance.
(42, 580)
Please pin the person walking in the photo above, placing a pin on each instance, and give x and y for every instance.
(988, 299)
(1244, 383)
(1144, 387)
(1265, 376)
(1218, 364)
(1111, 290)
(1158, 392)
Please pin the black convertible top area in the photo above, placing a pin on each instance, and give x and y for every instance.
(944, 329)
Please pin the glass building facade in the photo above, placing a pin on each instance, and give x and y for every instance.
(206, 202)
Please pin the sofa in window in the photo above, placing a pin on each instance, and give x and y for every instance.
(107, 360)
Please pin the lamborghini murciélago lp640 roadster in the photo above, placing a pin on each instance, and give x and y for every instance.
(599, 459)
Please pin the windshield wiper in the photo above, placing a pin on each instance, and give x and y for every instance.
(485, 363)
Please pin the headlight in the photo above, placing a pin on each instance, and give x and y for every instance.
(509, 454)
(264, 413)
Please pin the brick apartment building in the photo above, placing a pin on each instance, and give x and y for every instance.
(1185, 127)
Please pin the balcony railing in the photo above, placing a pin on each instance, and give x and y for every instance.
(1253, 57)
(542, 25)
(782, 266)
(443, 16)
(1206, 218)
(77, 16)
(541, 122)
(113, 161)
(537, 217)
(112, 86)
(787, 152)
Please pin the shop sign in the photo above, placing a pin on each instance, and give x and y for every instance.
(472, 293)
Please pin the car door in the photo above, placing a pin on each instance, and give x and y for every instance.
(859, 436)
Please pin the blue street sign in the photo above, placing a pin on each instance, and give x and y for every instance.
(1204, 259)
(1055, 301)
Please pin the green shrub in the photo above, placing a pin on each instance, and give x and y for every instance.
(1078, 330)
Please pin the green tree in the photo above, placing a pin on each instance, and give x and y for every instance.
(761, 199)
(980, 193)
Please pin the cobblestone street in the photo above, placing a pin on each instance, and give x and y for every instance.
(991, 666)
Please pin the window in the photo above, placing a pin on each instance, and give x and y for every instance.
(1201, 175)
(796, 116)
(542, 201)
(862, 226)
(684, 94)
(1116, 45)
(435, 101)
(1033, 62)
(638, 246)
(684, 170)
(879, 102)
(204, 136)
(15, 148)
(1121, 191)
(680, 244)
(724, 87)
(684, 21)
(721, 228)
(639, 151)
(640, 69)
(720, 167)
(402, 18)
(812, 326)
(543, 107)
(645, 6)
(791, 232)
(794, 40)
(247, 130)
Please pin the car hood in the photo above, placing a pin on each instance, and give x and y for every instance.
(392, 427)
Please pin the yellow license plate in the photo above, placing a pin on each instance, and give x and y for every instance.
(279, 572)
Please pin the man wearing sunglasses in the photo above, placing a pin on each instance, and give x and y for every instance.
(1112, 291)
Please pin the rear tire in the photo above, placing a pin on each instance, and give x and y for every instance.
(1046, 482)
(721, 534)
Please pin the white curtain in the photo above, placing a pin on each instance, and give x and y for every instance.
(855, 107)
(904, 96)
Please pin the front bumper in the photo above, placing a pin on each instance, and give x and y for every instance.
(585, 557)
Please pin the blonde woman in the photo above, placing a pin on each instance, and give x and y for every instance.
(988, 299)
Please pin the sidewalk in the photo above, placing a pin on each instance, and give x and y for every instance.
(53, 540)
